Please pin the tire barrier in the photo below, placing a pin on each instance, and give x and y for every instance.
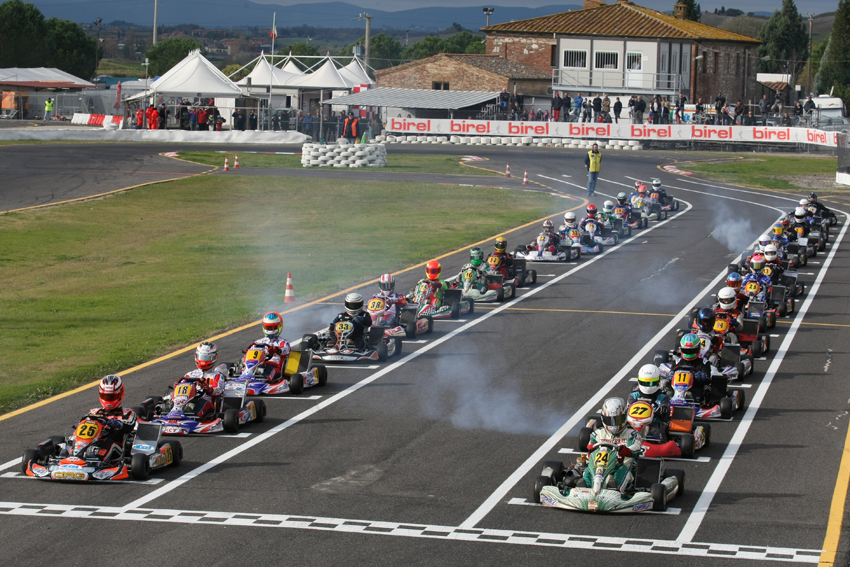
(344, 155)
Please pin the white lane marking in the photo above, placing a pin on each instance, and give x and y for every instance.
(737, 190)
(584, 187)
(10, 464)
(452, 320)
(418, 342)
(565, 175)
(741, 385)
(566, 451)
(414, 530)
(813, 262)
(21, 476)
(176, 483)
(352, 366)
(805, 273)
(695, 519)
(225, 436)
(775, 336)
(524, 502)
(292, 397)
(545, 275)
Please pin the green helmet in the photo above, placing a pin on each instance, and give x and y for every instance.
(476, 256)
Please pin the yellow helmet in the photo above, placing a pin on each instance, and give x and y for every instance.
(501, 244)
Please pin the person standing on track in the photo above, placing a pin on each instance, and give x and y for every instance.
(48, 109)
(593, 163)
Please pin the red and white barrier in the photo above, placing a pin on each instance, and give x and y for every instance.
(96, 119)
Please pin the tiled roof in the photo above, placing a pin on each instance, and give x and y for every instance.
(492, 63)
(622, 19)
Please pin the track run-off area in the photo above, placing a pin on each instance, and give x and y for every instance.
(430, 457)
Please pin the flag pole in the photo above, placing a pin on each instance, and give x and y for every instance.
(271, 71)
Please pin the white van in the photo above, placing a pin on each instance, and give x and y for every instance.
(830, 111)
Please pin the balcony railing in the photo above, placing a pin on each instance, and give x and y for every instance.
(619, 81)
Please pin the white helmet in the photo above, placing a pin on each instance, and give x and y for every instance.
(608, 207)
(764, 240)
(770, 253)
(804, 203)
(727, 298)
(656, 184)
(570, 219)
(800, 214)
(614, 415)
(649, 379)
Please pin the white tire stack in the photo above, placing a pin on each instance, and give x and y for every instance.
(343, 155)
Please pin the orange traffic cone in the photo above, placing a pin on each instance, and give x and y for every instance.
(289, 297)
(236, 162)
(226, 167)
(525, 178)
(508, 171)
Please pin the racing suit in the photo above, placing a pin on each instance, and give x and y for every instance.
(660, 403)
(595, 220)
(507, 264)
(607, 218)
(702, 375)
(278, 353)
(361, 322)
(394, 301)
(628, 438)
(210, 385)
(119, 422)
(552, 241)
(762, 279)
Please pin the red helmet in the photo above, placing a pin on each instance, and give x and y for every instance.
(591, 211)
(642, 190)
(433, 269)
(111, 392)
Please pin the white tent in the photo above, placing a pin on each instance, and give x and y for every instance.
(195, 76)
(355, 73)
(264, 75)
(291, 67)
(325, 77)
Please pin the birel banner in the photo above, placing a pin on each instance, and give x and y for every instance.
(647, 132)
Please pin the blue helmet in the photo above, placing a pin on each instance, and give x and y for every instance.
(733, 280)
(705, 319)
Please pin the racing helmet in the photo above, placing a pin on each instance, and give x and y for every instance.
(642, 190)
(614, 415)
(501, 244)
(638, 184)
(387, 283)
(778, 229)
(733, 281)
(548, 226)
(111, 392)
(433, 269)
(705, 320)
(800, 214)
(757, 262)
(689, 346)
(804, 203)
(476, 256)
(205, 355)
(570, 219)
(727, 298)
(813, 197)
(622, 197)
(608, 207)
(591, 211)
(353, 303)
(272, 324)
(649, 379)
(656, 184)
(764, 240)
(770, 253)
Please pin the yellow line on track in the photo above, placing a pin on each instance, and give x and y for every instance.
(815, 324)
(836, 509)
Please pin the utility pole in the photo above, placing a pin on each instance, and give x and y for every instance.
(96, 44)
(809, 82)
(155, 13)
(368, 18)
(406, 37)
(488, 12)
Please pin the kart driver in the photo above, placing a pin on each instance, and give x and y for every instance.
(779, 235)
(756, 266)
(387, 285)
(824, 211)
(476, 262)
(208, 377)
(799, 225)
(506, 263)
(733, 282)
(569, 223)
(354, 314)
(728, 302)
(615, 429)
(552, 238)
(433, 269)
(119, 421)
(591, 217)
(689, 349)
(649, 390)
(607, 214)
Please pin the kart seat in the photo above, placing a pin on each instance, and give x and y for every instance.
(647, 473)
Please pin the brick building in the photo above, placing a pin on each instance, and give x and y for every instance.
(463, 72)
(623, 48)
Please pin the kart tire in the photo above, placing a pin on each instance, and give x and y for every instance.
(261, 410)
(616, 238)
(323, 375)
(659, 497)
(706, 430)
(675, 205)
(557, 468)
(30, 455)
(771, 320)
(231, 420)
(152, 402)
(742, 398)
(296, 385)
(805, 260)
(740, 368)
(792, 304)
(757, 349)
(140, 466)
(762, 322)
(539, 484)
(397, 340)
(471, 309)
(410, 329)
(310, 341)
(783, 309)
(664, 216)
(533, 274)
(645, 222)
(176, 452)
(660, 357)
(430, 324)
(583, 439)
(455, 310)
(732, 269)
(687, 445)
(500, 294)
(821, 245)
(382, 352)
(766, 348)
(57, 440)
(512, 287)
(726, 406)
(680, 476)
(601, 249)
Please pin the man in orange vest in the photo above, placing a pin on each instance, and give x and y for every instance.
(140, 119)
(153, 118)
(349, 131)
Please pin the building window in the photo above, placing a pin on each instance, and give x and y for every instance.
(634, 61)
(437, 86)
(575, 59)
(607, 59)
(704, 61)
(553, 57)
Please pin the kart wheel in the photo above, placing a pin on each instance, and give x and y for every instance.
(231, 421)
(659, 497)
(382, 352)
(176, 453)
(539, 484)
(726, 407)
(706, 431)
(533, 274)
(766, 348)
(783, 309)
(660, 357)
(512, 289)
(556, 469)
(310, 342)
(821, 245)
(583, 439)
(675, 205)
(741, 398)
(323, 375)
(471, 307)
(630, 232)
(500, 294)
(140, 467)
(410, 329)
(680, 476)
(30, 455)
(664, 216)
(771, 320)
(455, 310)
(732, 269)
(57, 440)
(645, 222)
(687, 445)
(740, 368)
(804, 261)
(757, 349)
(296, 385)
(601, 248)
(762, 322)
(261, 410)
(430, 324)
(791, 304)
(616, 238)
(150, 403)
(397, 340)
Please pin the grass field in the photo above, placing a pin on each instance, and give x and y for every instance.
(406, 163)
(761, 171)
(97, 287)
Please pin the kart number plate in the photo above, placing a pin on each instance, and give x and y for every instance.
(640, 410)
(253, 355)
(376, 305)
(619, 211)
(344, 327)
(574, 234)
(601, 459)
(654, 196)
(799, 230)
(767, 271)
(721, 326)
(88, 430)
(183, 390)
(468, 275)
(682, 378)
(752, 287)
(591, 227)
(493, 260)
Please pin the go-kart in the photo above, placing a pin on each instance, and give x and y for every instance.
(540, 251)
(261, 377)
(183, 410)
(89, 455)
(682, 435)
(425, 302)
(341, 346)
(752, 343)
(601, 234)
(648, 210)
(482, 288)
(397, 322)
(629, 219)
(661, 197)
(519, 275)
(712, 401)
(651, 487)
(805, 246)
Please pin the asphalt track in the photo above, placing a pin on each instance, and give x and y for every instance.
(430, 459)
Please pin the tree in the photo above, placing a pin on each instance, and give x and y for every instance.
(167, 53)
(24, 41)
(784, 41)
(426, 47)
(743, 25)
(834, 71)
(692, 10)
(464, 42)
(232, 68)
(384, 50)
(73, 52)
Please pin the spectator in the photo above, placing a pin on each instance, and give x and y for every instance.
(798, 113)
(680, 108)
(153, 119)
(724, 115)
(665, 112)
(700, 107)
(252, 120)
(656, 110)
(163, 116)
(606, 107)
(597, 107)
(618, 108)
(308, 124)
(577, 103)
(525, 115)
(504, 99)
(763, 108)
(632, 108)
(515, 110)
(203, 119)
(588, 110)
(545, 117)
(556, 106)
(777, 103)
(350, 128)
(640, 108)
(566, 107)
(786, 120)
(140, 119)
(809, 108)
(719, 101)
(48, 109)
(731, 110)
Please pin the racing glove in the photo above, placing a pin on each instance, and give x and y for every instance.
(624, 452)
(114, 423)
